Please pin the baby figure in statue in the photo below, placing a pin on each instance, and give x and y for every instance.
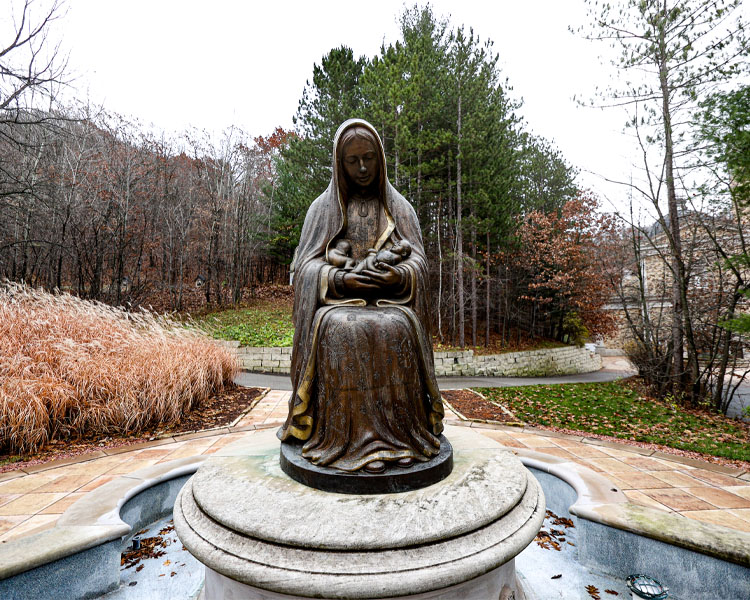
(340, 255)
(391, 256)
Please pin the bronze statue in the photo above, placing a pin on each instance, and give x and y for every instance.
(365, 397)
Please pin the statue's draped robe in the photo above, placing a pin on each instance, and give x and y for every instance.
(363, 376)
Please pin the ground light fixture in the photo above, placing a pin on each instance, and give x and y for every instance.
(643, 586)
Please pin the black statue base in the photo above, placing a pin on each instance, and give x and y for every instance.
(391, 481)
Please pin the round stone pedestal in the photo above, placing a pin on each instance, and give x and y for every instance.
(263, 535)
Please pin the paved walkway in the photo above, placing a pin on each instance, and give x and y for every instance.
(613, 367)
(33, 499)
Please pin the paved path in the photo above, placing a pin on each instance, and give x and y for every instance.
(612, 368)
(33, 499)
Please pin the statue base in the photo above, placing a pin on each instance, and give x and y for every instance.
(393, 480)
(263, 535)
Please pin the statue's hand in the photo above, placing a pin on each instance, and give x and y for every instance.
(386, 277)
(357, 282)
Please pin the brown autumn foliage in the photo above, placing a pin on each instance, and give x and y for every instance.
(72, 367)
(561, 257)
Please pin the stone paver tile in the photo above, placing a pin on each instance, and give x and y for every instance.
(33, 524)
(640, 481)
(623, 451)
(160, 452)
(535, 441)
(24, 485)
(130, 466)
(719, 498)
(587, 464)
(717, 479)
(677, 499)
(90, 469)
(59, 507)
(638, 497)
(10, 475)
(509, 442)
(248, 419)
(139, 446)
(612, 465)
(29, 504)
(5, 498)
(676, 478)
(742, 513)
(719, 517)
(9, 522)
(98, 482)
(617, 483)
(585, 451)
(498, 436)
(570, 443)
(645, 463)
(743, 491)
(66, 483)
(62, 462)
(187, 452)
(560, 452)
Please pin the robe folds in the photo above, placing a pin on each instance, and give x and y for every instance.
(363, 377)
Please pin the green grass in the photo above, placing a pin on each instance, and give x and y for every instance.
(616, 409)
(263, 325)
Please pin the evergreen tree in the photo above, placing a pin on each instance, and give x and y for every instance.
(304, 165)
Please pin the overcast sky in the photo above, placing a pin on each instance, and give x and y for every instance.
(183, 63)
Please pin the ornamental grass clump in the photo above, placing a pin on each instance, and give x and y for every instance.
(73, 368)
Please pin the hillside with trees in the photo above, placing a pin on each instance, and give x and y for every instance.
(98, 205)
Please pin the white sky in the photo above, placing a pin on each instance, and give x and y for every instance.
(212, 64)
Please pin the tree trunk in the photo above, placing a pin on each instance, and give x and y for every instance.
(459, 235)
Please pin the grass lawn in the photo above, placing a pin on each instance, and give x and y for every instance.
(617, 409)
(264, 324)
(269, 323)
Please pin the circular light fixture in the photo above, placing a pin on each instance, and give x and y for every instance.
(643, 586)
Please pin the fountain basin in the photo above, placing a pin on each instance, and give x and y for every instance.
(80, 556)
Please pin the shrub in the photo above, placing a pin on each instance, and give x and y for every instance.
(72, 367)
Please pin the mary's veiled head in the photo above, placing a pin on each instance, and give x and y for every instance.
(358, 157)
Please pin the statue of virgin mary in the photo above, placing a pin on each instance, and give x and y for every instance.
(364, 390)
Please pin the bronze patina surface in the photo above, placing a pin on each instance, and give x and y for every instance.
(365, 397)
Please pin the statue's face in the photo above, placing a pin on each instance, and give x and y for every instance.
(361, 162)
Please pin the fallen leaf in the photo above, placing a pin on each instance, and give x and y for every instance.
(138, 568)
(593, 592)
(167, 562)
(132, 583)
(613, 592)
(172, 574)
(556, 576)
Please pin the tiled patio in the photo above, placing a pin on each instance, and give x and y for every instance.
(33, 499)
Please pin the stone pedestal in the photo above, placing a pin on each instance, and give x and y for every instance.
(263, 535)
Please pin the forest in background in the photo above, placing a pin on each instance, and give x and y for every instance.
(95, 204)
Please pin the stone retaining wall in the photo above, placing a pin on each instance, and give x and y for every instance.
(568, 360)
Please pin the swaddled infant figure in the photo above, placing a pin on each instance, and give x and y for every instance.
(392, 256)
(340, 255)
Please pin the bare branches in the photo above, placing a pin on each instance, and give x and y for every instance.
(31, 65)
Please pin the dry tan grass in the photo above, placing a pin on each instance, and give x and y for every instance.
(70, 367)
